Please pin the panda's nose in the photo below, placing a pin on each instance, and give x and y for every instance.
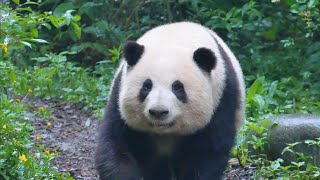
(158, 114)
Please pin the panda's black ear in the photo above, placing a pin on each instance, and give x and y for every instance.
(205, 59)
(132, 52)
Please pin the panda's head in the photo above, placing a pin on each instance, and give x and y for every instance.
(167, 91)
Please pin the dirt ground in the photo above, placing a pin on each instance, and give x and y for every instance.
(76, 141)
(70, 136)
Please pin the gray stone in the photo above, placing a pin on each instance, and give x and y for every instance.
(293, 128)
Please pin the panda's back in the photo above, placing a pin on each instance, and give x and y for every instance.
(186, 35)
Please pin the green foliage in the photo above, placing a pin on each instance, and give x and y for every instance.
(264, 99)
(53, 76)
(302, 166)
(21, 27)
(20, 157)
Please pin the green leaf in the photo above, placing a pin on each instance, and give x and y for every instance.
(67, 52)
(79, 89)
(295, 8)
(265, 123)
(2, 173)
(286, 168)
(67, 89)
(298, 8)
(76, 18)
(62, 8)
(40, 59)
(309, 167)
(312, 3)
(273, 88)
(309, 142)
(12, 75)
(68, 17)
(294, 144)
(34, 32)
(316, 174)
(38, 40)
(26, 43)
(275, 166)
(30, 3)
(24, 9)
(16, 1)
(259, 100)
(286, 149)
(301, 1)
(76, 30)
(46, 25)
(229, 14)
(54, 20)
(256, 88)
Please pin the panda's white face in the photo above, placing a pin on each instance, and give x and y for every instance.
(166, 93)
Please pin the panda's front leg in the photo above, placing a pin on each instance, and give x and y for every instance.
(123, 172)
(201, 157)
(114, 164)
(205, 166)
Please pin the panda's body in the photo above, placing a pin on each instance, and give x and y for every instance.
(174, 108)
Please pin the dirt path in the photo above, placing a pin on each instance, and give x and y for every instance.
(70, 136)
(76, 142)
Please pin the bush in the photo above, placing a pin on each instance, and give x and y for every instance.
(20, 158)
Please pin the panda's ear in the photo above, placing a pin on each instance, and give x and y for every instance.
(132, 52)
(205, 59)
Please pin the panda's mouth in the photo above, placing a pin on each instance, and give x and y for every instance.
(157, 125)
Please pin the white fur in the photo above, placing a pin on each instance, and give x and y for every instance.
(167, 57)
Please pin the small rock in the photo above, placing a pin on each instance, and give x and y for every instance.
(233, 162)
(67, 107)
(290, 129)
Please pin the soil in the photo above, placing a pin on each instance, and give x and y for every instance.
(75, 140)
(68, 135)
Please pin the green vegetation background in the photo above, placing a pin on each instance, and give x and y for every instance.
(69, 49)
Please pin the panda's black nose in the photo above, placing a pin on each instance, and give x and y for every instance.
(158, 114)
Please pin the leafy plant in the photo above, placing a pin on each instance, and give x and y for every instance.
(19, 156)
(21, 26)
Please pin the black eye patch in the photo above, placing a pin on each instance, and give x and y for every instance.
(145, 89)
(179, 91)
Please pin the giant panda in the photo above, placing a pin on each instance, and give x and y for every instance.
(175, 106)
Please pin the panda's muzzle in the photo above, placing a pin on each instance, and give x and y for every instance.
(158, 114)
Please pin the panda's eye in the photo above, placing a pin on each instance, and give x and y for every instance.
(145, 90)
(179, 91)
(147, 85)
(177, 86)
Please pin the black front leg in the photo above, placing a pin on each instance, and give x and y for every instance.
(123, 173)
(112, 160)
(202, 156)
(206, 166)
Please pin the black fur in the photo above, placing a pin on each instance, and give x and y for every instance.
(126, 154)
(205, 59)
(132, 52)
(179, 92)
(145, 89)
